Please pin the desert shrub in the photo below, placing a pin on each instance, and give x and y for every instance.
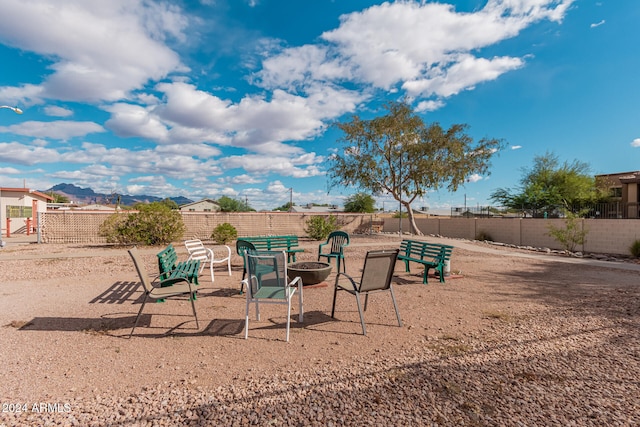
(398, 215)
(635, 249)
(154, 224)
(319, 227)
(224, 233)
(110, 228)
(572, 234)
(483, 235)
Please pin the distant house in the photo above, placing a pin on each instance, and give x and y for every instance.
(204, 205)
(19, 209)
(311, 208)
(624, 192)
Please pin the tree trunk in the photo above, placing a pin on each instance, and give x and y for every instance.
(412, 220)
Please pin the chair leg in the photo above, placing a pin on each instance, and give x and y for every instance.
(364, 328)
(244, 273)
(229, 265)
(393, 298)
(193, 306)
(246, 321)
(138, 316)
(301, 304)
(288, 317)
(333, 307)
(211, 270)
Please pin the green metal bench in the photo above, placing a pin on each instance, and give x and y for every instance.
(275, 243)
(171, 268)
(431, 255)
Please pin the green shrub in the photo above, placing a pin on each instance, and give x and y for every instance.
(635, 249)
(224, 233)
(110, 228)
(319, 227)
(571, 235)
(484, 236)
(154, 224)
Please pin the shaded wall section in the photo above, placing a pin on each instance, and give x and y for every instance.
(613, 236)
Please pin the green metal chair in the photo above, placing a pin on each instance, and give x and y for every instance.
(241, 247)
(337, 240)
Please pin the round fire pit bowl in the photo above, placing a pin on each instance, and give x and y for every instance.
(311, 272)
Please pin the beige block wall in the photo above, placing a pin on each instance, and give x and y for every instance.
(610, 236)
(83, 227)
(613, 236)
(505, 230)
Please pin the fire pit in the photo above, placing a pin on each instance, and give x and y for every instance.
(311, 272)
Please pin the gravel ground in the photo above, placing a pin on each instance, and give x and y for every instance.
(511, 340)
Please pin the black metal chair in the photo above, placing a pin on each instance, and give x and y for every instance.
(376, 277)
(177, 286)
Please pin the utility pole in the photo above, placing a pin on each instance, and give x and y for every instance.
(291, 199)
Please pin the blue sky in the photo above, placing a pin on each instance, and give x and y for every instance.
(235, 97)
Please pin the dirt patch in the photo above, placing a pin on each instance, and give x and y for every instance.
(506, 330)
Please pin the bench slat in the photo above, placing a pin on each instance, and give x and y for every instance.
(270, 243)
(170, 267)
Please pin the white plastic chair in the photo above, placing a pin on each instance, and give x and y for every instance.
(197, 251)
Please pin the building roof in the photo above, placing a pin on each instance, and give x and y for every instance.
(198, 202)
(97, 207)
(315, 209)
(26, 190)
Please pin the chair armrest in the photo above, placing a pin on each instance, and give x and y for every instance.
(173, 281)
(354, 284)
(221, 249)
(295, 281)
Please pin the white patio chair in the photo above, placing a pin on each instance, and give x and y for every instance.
(197, 251)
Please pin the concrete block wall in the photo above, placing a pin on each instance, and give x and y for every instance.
(458, 228)
(83, 226)
(613, 236)
(608, 236)
(499, 229)
(535, 232)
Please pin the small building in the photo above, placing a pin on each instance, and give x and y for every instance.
(19, 208)
(311, 208)
(204, 205)
(624, 193)
(97, 207)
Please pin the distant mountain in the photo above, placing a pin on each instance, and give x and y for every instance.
(88, 196)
